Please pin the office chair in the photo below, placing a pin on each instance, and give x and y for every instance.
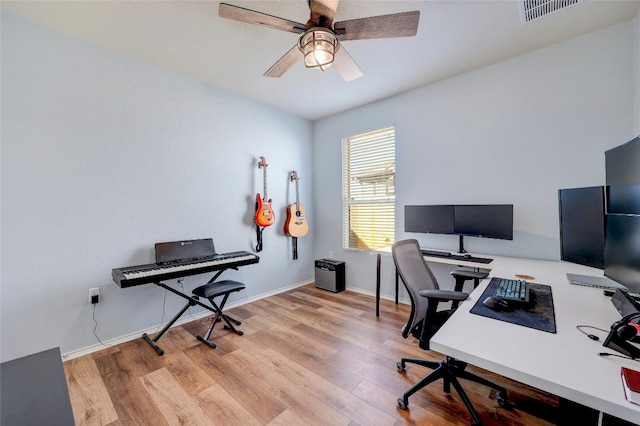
(425, 320)
(461, 276)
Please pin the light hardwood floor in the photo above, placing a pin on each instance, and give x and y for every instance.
(307, 357)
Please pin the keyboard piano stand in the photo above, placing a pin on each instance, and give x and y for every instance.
(191, 301)
(177, 259)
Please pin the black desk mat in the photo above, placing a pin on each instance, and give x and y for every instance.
(538, 313)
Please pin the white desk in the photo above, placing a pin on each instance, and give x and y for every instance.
(34, 391)
(566, 363)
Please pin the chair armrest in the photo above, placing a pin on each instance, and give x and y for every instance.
(444, 294)
(467, 274)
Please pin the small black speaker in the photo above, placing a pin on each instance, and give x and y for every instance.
(330, 275)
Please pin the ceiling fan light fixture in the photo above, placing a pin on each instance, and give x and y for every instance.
(318, 45)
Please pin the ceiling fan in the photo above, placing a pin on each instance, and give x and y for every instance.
(320, 40)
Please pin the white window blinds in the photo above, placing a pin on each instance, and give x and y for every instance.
(368, 189)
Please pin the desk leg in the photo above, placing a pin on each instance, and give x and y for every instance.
(378, 258)
(397, 286)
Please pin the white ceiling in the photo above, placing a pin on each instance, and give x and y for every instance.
(188, 37)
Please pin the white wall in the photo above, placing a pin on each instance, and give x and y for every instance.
(102, 156)
(514, 132)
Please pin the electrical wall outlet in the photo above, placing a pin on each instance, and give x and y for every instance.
(94, 295)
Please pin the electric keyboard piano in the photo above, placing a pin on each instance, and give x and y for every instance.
(177, 259)
(152, 273)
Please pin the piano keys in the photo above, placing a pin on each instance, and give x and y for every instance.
(152, 273)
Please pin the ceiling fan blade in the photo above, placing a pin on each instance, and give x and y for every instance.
(404, 24)
(283, 64)
(325, 9)
(346, 66)
(252, 17)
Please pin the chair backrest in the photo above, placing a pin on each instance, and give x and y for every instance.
(416, 276)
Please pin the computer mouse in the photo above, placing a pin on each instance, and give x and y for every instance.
(496, 304)
(467, 256)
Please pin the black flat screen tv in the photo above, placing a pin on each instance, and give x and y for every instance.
(582, 226)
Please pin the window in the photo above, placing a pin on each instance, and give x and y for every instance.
(368, 190)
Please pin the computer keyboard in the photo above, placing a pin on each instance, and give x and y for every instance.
(512, 290)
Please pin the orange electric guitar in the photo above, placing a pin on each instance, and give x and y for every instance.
(296, 224)
(264, 214)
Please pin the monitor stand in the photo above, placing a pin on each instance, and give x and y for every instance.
(626, 303)
(461, 244)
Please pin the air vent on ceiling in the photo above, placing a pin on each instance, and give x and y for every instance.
(531, 10)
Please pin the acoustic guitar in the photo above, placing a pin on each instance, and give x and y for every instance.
(296, 224)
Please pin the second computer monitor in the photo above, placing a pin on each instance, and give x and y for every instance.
(484, 220)
(582, 225)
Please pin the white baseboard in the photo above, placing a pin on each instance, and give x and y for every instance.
(152, 330)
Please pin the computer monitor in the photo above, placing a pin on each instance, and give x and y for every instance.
(582, 226)
(622, 250)
(623, 199)
(484, 220)
(474, 220)
(622, 242)
(434, 219)
(622, 162)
